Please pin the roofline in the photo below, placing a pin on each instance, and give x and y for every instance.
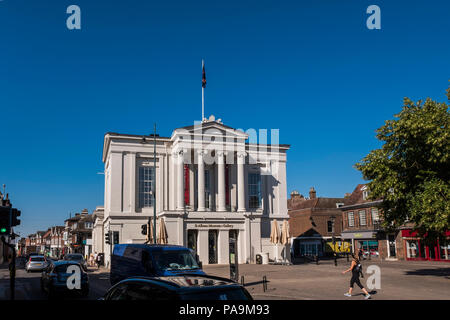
(109, 135)
(363, 204)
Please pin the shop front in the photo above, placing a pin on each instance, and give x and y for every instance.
(310, 244)
(418, 248)
(367, 241)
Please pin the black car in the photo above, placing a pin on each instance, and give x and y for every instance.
(54, 278)
(181, 287)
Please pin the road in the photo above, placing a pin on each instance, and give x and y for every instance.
(28, 285)
(399, 280)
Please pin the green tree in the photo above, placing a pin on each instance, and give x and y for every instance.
(411, 171)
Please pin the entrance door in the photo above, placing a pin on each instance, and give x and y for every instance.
(392, 249)
(212, 246)
(192, 240)
(432, 253)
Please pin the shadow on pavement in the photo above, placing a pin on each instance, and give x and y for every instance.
(440, 272)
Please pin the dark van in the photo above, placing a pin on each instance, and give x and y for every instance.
(144, 260)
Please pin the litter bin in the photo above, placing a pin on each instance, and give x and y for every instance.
(265, 258)
(258, 259)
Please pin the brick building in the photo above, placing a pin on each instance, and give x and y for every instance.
(362, 226)
(313, 222)
(40, 243)
(30, 244)
(56, 242)
(78, 233)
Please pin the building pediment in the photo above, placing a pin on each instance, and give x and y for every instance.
(209, 129)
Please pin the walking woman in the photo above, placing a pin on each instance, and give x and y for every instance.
(356, 269)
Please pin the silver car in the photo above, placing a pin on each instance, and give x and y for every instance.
(36, 263)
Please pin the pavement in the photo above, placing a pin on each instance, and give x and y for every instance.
(400, 280)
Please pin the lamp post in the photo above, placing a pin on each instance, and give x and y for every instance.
(333, 219)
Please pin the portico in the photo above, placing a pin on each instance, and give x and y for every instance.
(210, 184)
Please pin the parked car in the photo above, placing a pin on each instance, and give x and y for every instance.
(135, 260)
(77, 257)
(374, 252)
(54, 278)
(181, 287)
(36, 263)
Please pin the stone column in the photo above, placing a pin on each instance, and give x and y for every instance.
(201, 181)
(132, 182)
(221, 181)
(240, 182)
(180, 181)
(223, 243)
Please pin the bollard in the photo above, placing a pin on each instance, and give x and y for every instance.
(317, 259)
(335, 260)
(264, 283)
(347, 257)
(242, 280)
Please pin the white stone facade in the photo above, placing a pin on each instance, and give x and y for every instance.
(242, 190)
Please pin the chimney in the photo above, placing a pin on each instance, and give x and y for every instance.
(347, 195)
(312, 193)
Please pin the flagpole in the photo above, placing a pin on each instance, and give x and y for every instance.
(203, 95)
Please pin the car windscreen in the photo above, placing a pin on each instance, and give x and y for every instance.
(37, 259)
(174, 260)
(63, 268)
(218, 294)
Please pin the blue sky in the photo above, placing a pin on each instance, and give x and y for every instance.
(309, 68)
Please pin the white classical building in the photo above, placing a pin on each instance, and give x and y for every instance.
(241, 190)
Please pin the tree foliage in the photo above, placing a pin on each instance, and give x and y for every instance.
(411, 171)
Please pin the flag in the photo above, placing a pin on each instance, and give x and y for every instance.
(203, 77)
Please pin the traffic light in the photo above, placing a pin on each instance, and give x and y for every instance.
(5, 225)
(144, 229)
(14, 220)
(116, 237)
(108, 238)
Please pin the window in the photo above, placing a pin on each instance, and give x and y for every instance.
(186, 184)
(362, 218)
(365, 194)
(330, 226)
(254, 190)
(375, 216)
(351, 219)
(88, 225)
(146, 291)
(412, 249)
(146, 187)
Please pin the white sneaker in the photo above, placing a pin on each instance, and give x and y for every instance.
(367, 297)
(347, 294)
